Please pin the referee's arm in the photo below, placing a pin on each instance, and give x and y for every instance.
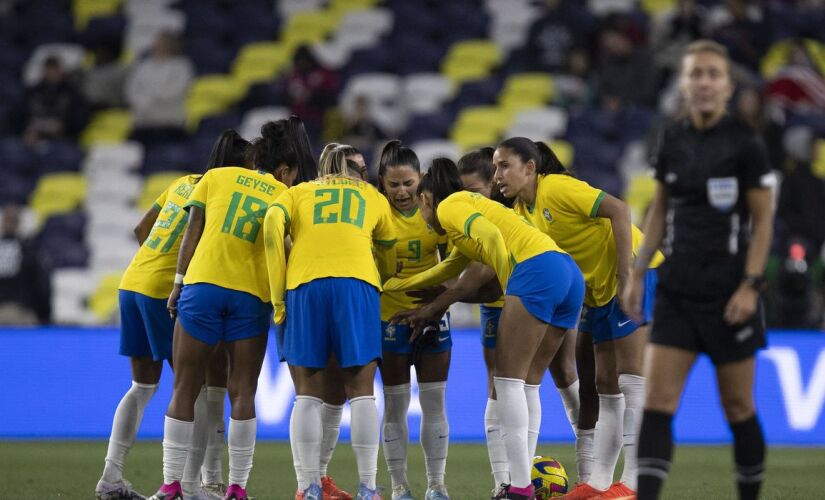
(654, 231)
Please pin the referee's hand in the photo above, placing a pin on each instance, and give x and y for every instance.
(742, 305)
(631, 299)
(172, 303)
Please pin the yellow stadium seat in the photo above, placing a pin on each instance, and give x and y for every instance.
(350, 5)
(107, 126)
(104, 301)
(564, 151)
(777, 56)
(638, 195)
(84, 10)
(484, 117)
(260, 61)
(471, 138)
(656, 7)
(310, 27)
(514, 103)
(538, 85)
(818, 166)
(58, 193)
(212, 94)
(154, 185)
(471, 60)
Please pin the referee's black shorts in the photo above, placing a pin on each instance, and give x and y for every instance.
(699, 326)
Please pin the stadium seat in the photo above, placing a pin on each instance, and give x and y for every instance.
(471, 60)
(146, 21)
(426, 92)
(123, 156)
(209, 95)
(70, 288)
(58, 156)
(349, 5)
(376, 22)
(538, 85)
(104, 301)
(109, 220)
(254, 119)
(84, 10)
(818, 166)
(510, 22)
(114, 186)
(260, 61)
(71, 57)
(483, 117)
(563, 150)
(472, 138)
(384, 94)
(111, 253)
(777, 56)
(429, 150)
(310, 27)
(603, 8)
(288, 8)
(57, 194)
(638, 194)
(154, 185)
(106, 127)
(539, 124)
(655, 8)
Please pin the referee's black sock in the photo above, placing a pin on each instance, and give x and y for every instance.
(749, 455)
(655, 453)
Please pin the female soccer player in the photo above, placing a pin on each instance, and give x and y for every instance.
(595, 229)
(329, 294)
(146, 333)
(543, 294)
(221, 294)
(713, 183)
(417, 249)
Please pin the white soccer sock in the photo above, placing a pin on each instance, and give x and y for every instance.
(191, 481)
(331, 423)
(584, 454)
(125, 424)
(607, 441)
(435, 430)
(633, 388)
(531, 392)
(177, 438)
(241, 449)
(305, 433)
(364, 434)
(513, 418)
(495, 445)
(212, 470)
(396, 431)
(570, 400)
(296, 462)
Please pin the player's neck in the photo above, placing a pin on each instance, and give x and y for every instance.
(528, 194)
(704, 121)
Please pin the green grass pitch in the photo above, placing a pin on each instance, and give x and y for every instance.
(70, 469)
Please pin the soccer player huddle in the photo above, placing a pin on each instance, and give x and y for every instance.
(360, 278)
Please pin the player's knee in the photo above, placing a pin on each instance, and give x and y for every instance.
(662, 401)
(738, 408)
(606, 383)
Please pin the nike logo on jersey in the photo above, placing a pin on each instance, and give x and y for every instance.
(443, 339)
(622, 323)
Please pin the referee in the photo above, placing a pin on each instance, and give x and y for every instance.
(712, 216)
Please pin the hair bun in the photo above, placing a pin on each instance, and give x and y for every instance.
(274, 130)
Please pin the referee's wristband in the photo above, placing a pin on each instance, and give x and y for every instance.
(178, 279)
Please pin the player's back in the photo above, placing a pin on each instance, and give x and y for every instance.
(230, 252)
(333, 222)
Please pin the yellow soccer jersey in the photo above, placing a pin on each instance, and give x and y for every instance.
(566, 209)
(417, 249)
(231, 251)
(333, 223)
(152, 269)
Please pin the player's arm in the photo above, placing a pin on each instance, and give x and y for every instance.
(447, 269)
(619, 214)
(275, 226)
(144, 227)
(384, 239)
(191, 238)
(385, 259)
(491, 243)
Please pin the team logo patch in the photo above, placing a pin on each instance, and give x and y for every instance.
(723, 192)
(490, 329)
(389, 332)
(547, 215)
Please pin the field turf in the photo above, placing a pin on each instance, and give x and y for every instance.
(70, 469)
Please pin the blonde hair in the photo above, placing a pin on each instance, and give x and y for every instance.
(334, 161)
(705, 46)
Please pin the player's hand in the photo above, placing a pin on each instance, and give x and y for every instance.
(742, 305)
(426, 295)
(172, 303)
(630, 299)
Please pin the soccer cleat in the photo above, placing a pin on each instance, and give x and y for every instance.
(401, 492)
(121, 490)
(437, 492)
(617, 491)
(582, 491)
(235, 492)
(365, 493)
(332, 491)
(171, 491)
(216, 489)
(313, 492)
(499, 491)
(202, 494)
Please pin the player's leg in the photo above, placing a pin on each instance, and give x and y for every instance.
(496, 451)
(629, 365)
(588, 405)
(395, 374)
(217, 373)
(563, 370)
(334, 398)
(735, 381)
(535, 374)
(359, 381)
(305, 427)
(431, 371)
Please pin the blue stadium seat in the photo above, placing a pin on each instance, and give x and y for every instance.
(70, 226)
(261, 95)
(209, 55)
(167, 157)
(58, 156)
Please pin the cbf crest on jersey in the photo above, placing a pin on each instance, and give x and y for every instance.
(723, 192)
(389, 332)
(546, 213)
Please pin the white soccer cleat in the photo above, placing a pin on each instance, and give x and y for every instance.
(216, 489)
(121, 490)
(437, 492)
(401, 492)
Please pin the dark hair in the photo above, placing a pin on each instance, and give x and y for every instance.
(307, 167)
(395, 154)
(274, 148)
(480, 162)
(229, 150)
(546, 160)
(441, 180)
(350, 150)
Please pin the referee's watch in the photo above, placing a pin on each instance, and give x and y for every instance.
(755, 281)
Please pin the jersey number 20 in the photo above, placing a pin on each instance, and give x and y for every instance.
(338, 204)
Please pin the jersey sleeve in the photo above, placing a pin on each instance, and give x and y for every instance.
(439, 273)
(384, 232)
(160, 201)
(198, 196)
(574, 196)
(276, 222)
(755, 166)
(492, 246)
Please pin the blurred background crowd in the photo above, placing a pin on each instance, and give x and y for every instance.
(104, 102)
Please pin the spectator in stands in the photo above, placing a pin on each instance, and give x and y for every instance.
(673, 31)
(798, 86)
(564, 26)
(103, 83)
(752, 109)
(361, 130)
(624, 69)
(311, 89)
(744, 33)
(25, 295)
(54, 108)
(156, 91)
(575, 87)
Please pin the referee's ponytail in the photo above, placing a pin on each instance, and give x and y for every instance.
(442, 180)
(545, 159)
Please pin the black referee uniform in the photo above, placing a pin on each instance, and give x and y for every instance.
(707, 174)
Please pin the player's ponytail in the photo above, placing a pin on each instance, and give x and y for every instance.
(546, 161)
(442, 180)
(274, 148)
(297, 134)
(549, 163)
(230, 150)
(334, 162)
(396, 154)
